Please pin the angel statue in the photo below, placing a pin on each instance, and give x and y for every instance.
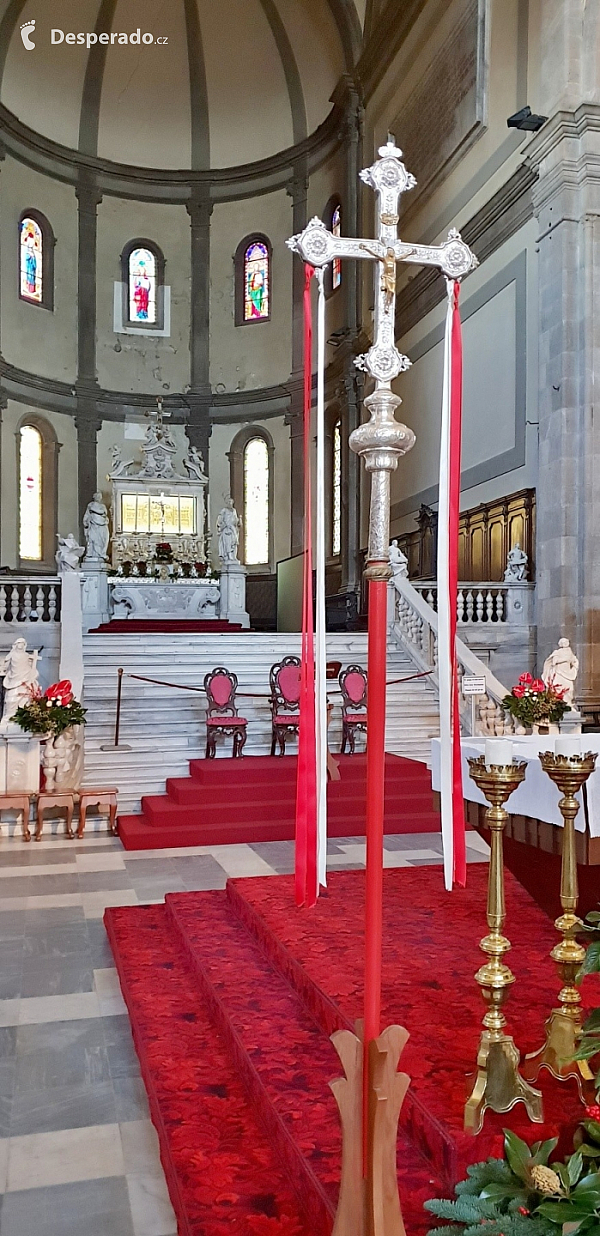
(119, 466)
(194, 464)
(69, 553)
(20, 673)
(228, 530)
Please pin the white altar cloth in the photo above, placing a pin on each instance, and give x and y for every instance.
(537, 796)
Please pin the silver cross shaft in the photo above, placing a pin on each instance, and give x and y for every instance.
(382, 440)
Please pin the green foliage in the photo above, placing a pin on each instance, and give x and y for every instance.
(45, 716)
(524, 1195)
(589, 1043)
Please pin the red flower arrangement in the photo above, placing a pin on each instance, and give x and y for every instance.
(51, 711)
(531, 701)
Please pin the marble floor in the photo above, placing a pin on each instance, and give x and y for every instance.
(78, 1153)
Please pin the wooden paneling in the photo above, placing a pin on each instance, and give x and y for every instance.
(486, 533)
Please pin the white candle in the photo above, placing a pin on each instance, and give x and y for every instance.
(498, 751)
(568, 744)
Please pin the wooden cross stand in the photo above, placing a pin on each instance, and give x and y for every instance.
(371, 1095)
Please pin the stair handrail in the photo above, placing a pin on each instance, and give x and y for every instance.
(414, 624)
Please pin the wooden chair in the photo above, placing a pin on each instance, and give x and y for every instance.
(284, 681)
(21, 803)
(104, 799)
(63, 799)
(353, 685)
(221, 713)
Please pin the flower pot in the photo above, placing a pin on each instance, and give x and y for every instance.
(545, 727)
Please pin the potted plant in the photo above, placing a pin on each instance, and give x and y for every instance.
(55, 715)
(536, 705)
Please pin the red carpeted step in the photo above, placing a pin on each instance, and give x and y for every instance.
(283, 1057)
(137, 834)
(222, 1173)
(166, 626)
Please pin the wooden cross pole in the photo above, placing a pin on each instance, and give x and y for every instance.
(380, 441)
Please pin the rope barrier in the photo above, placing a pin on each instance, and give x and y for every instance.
(180, 686)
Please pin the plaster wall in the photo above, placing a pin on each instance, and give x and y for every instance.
(499, 390)
(220, 442)
(153, 364)
(64, 427)
(34, 338)
(255, 354)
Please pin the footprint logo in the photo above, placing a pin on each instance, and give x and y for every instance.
(26, 30)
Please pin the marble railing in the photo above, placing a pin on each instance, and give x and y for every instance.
(414, 623)
(479, 603)
(29, 600)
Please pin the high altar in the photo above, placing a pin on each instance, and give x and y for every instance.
(160, 543)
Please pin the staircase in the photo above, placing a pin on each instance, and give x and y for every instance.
(164, 727)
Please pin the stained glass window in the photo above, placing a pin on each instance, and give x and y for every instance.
(142, 286)
(336, 228)
(336, 489)
(30, 260)
(257, 292)
(256, 502)
(30, 494)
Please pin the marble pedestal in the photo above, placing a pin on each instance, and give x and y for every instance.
(233, 593)
(19, 762)
(94, 593)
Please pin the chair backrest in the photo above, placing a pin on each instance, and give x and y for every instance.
(284, 680)
(353, 685)
(220, 686)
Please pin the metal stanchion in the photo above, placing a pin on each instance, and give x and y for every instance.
(116, 745)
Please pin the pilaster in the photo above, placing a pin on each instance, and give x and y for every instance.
(198, 398)
(298, 191)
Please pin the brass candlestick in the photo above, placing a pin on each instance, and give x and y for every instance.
(498, 1085)
(563, 1027)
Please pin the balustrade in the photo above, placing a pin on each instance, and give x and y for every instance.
(29, 600)
(476, 603)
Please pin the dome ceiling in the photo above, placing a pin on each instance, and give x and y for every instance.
(236, 81)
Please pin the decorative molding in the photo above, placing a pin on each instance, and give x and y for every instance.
(89, 117)
(289, 64)
(200, 123)
(155, 185)
(485, 232)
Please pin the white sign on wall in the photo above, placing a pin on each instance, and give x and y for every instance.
(473, 686)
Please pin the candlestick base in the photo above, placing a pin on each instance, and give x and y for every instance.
(371, 1206)
(556, 1055)
(499, 1085)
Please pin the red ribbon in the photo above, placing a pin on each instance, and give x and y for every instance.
(306, 788)
(458, 810)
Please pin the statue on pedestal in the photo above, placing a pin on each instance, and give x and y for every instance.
(516, 565)
(20, 677)
(228, 530)
(96, 529)
(398, 560)
(561, 669)
(69, 553)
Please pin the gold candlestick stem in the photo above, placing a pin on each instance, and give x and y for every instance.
(563, 1027)
(498, 1084)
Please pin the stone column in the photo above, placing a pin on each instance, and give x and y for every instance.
(566, 154)
(87, 420)
(198, 429)
(297, 190)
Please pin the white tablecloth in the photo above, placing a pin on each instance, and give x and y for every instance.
(537, 796)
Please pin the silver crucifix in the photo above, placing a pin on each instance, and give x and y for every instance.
(382, 439)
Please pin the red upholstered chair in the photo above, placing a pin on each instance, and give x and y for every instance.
(284, 680)
(221, 713)
(353, 685)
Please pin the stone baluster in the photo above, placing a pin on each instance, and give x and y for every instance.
(479, 607)
(14, 603)
(489, 606)
(2, 602)
(27, 604)
(38, 611)
(430, 598)
(460, 606)
(500, 615)
(470, 605)
(52, 603)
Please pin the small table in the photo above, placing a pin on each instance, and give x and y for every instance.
(103, 797)
(47, 800)
(18, 802)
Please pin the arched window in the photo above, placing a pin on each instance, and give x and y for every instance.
(256, 502)
(253, 280)
(143, 268)
(251, 458)
(37, 453)
(36, 259)
(336, 266)
(336, 489)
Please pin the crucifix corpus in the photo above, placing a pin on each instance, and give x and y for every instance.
(371, 1093)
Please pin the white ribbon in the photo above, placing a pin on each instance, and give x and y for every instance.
(443, 610)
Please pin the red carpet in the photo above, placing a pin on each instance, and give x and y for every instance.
(275, 982)
(165, 626)
(254, 799)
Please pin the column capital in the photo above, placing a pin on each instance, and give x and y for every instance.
(89, 196)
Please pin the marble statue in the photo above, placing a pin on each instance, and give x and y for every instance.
(228, 530)
(95, 527)
(194, 464)
(398, 560)
(20, 677)
(69, 553)
(516, 565)
(560, 670)
(120, 466)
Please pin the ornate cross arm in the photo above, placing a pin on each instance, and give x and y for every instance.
(318, 247)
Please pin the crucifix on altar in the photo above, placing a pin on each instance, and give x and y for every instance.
(370, 1095)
